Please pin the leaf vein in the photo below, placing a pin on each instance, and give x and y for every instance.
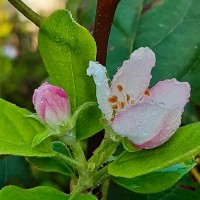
(174, 27)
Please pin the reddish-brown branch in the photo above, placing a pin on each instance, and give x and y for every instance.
(103, 22)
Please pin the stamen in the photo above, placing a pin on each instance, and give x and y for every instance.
(121, 105)
(112, 118)
(114, 107)
(120, 88)
(146, 92)
(132, 101)
(113, 99)
(128, 97)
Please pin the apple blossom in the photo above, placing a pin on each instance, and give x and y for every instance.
(52, 105)
(148, 117)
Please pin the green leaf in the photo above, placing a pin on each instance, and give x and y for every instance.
(174, 38)
(88, 123)
(17, 132)
(190, 114)
(117, 192)
(153, 182)
(128, 145)
(87, 12)
(185, 189)
(52, 164)
(15, 170)
(38, 193)
(182, 146)
(41, 137)
(86, 197)
(55, 163)
(60, 147)
(66, 49)
(78, 117)
(80, 109)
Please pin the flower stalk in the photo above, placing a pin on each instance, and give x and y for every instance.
(90, 177)
(27, 12)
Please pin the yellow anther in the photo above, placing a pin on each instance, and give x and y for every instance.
(146, 92)
(121, 105)
(112, 118)
(114, 107)
(120, 88)
(127, 97)
(113, 99)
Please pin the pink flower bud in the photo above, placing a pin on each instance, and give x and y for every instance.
(51, 104)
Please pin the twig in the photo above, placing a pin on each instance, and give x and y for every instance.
(27, 12)
(103, 22)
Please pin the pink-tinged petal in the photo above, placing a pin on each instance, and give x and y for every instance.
(147, 125)
(171, 93)
(102, 88)
(51, 104)
(51, 117)
(169, 126)
(134, 75)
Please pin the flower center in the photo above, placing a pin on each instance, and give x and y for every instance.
(118, 105)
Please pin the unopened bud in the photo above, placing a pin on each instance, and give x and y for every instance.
(51, 104)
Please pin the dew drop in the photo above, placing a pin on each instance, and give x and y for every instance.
(144, 133)
(161, 25)
(161, 103)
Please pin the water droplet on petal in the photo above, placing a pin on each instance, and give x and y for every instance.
(144, 133)
(161, 103)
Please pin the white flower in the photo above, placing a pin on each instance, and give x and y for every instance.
(148, 117)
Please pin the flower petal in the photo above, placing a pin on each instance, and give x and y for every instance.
(147, 125)
(171, 93)
(102, 88)
(52, 104)
(169, 126)
(134, 75)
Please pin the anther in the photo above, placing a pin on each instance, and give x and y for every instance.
(146, 92)
(113, 99)
(127, 97)
(121, 105)
(112, 119)
(120, 88)
(114, 107)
